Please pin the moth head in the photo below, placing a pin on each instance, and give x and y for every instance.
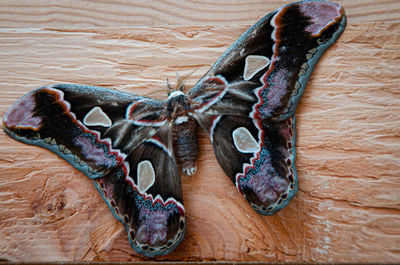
(177, 104)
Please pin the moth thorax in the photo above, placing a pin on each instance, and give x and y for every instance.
(177, 104)
(185, 143)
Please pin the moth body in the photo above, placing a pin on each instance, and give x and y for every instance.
(184, 132)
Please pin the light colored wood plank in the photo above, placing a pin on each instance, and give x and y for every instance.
(119, 13)
(347, 208)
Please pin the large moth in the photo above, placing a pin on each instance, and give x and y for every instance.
(132, 146)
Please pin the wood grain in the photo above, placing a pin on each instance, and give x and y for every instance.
(120, 13)
(348, 205)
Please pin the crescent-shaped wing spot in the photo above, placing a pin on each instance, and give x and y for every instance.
(145, 175)
(254, 64)
(97, 117)
(244, 141)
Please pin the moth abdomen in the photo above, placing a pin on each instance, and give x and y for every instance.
(185, 143)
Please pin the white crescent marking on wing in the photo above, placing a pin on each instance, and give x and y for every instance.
(254, 64)
(244, 141)
(97, 117)
(145, 175)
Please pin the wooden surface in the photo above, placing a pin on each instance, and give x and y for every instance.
(348, 159)
(133, 13)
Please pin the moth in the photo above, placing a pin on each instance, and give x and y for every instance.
(132, 146)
